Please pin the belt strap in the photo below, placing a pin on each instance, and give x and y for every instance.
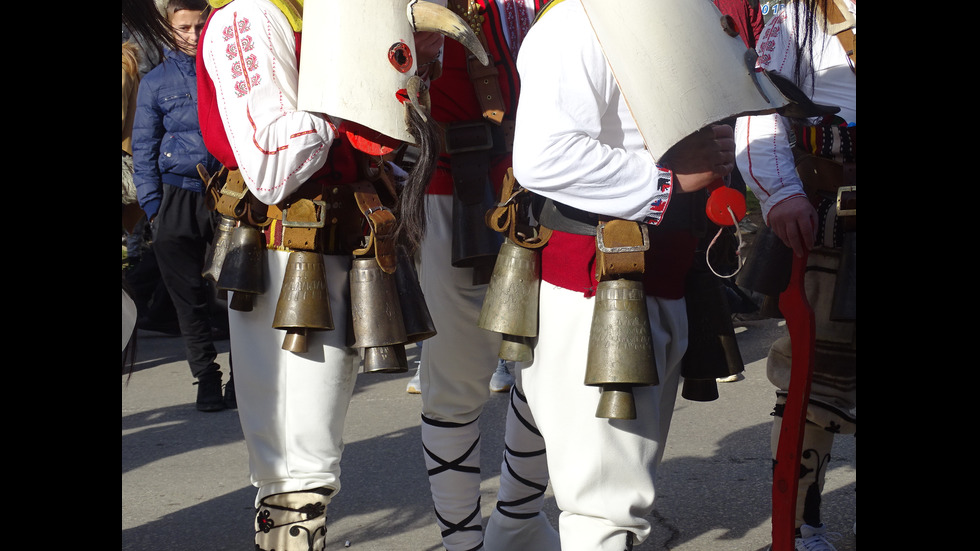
(382, 226)
(620, 245)
(561, 217)
(484, 79)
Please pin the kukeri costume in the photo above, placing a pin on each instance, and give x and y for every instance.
(295, 179)
(475, 106)
(773, 153)
(612, 247)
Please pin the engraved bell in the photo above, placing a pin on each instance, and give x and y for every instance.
(219, 249)
(511, 303)
(376, 311)
(385, 359)
(304, 300)
(241, 271)
(620, 347)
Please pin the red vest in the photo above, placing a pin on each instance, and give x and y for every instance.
(453, 97)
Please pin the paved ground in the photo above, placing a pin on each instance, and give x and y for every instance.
(185, 473)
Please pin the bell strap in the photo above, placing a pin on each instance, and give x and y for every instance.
(382, 226)
(484, 79)
(506, 217)
(226, 193)
(620, 245)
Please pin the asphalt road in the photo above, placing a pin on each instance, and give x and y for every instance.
(185, 473)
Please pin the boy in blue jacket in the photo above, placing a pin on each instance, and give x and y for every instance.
(167, 147)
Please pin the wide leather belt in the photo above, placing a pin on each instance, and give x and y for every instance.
(563, 218)
(478, 136)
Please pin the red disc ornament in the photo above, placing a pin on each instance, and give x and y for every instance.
(720, 200)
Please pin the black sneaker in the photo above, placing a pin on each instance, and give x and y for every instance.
(209, 392)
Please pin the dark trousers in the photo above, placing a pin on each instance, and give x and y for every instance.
(182, 232)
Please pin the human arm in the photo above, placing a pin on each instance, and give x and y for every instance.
(576, 141)
(249, 50)
(148, 131)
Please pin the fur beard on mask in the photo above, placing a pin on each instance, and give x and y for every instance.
(410, 210)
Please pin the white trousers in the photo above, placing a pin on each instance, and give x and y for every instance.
(457, 363)
(455, 372)
(602, 470)
(292, 406)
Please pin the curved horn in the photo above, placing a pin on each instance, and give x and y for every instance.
(426, 16)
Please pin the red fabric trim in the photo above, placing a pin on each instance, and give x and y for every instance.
(568, 261)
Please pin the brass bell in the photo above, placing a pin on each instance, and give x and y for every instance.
(385, 359)
(510, 306)
(415, 312)
(376, 312)
(219, 249)
(241, 271)
(515, 348)
(304, 300)
(620, 352)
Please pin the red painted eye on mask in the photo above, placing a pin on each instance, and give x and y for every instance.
(400, 57)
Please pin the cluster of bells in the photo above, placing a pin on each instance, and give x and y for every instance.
(387, 310)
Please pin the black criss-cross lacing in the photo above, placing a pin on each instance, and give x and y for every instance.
(454, 465)
(540, 489)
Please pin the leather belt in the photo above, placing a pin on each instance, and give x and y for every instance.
(478, 136)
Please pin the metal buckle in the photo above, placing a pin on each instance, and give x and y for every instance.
(840, 192)
(459, 140)
(635, 249)
(321, 217)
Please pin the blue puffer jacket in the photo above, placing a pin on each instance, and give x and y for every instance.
(167, 142)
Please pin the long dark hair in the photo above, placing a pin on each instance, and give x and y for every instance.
(809, 14)
(410, 210)
(143, 18)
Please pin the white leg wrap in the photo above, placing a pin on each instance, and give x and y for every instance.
(814, 458)
(517, 521)
(294, 521)
(452, 458)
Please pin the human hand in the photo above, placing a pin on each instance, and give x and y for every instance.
(703, 157)
(794, 221)
(427, 46)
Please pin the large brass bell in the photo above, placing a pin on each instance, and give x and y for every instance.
(304, 301)
(376, 316)
(219, 250)
(241, 272)
(510, 306)
(620, 347)
(415, 312)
